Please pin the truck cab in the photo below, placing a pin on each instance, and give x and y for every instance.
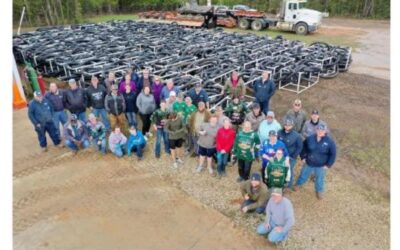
(294, 16)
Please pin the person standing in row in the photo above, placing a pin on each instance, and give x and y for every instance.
(55, 98)
(270, 123)
(159, 118)
(264, 89)
(245, 148)
(298, 115)
(156, 89)
(277, 173)
(255, 116)
(97, 133)
(197, 118)
(125, 82)
(176, 130)
(179, 106)
(224, 144)
(115, 106)
(96, 95)
(319, 154)
(219, 113)
(75, 100)
(130, 106)
(144, 80)
(293, 143)
(198, 94)
(146, 105)
(310, 126)
(109, 81)
(166, 90)
(40, 113)
(234, 86)
(236, 111)
(207, 135)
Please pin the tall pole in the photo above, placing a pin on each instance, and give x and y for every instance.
(20, 21)
(209, 3)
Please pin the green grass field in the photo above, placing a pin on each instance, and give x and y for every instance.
(105, 18)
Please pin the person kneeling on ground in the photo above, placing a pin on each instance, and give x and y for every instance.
(117, 142)
(255, 194)
(75, 134)
(136, 143)
(279, 218)
(97, 133)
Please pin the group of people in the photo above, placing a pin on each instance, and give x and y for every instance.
(184, 123)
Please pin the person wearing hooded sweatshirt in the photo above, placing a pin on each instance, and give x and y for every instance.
(115, 106)
(255, 117)
(264, 89)
(293, 143)
(245, 148)
(277, 173)
(130, 105)
(96, 95)
(146, 105)
(97, 133)
(75, 134)
(117, 142)
(136, 143)
(75, 100)
(176, 131)
(310, 126)
(319, 153)
(268, 150)
(236, 111)
(234, 86)
(224, 144)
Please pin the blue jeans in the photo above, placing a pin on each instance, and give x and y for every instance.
(60, 117)
(131, 116)
(264, 106)
(103, 145)
(119, 150)
(273, 235)
(292, 163)
(222, 160)
(259, 210)
(138, 149)
(161, 133)
(51, 130)
(104, 117)
(82, 116)
(319, 177)
(74, 147)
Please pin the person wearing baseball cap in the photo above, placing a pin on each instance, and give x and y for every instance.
(75, 134)
(279, 217)
(294, 144)
(199, 94)
(236, 111)
(319, 154)
(297, 114)
(310, 126)
(75, 100)
(115, 105)
(97, 133)
(170, 101)
(166, 90)
(255, 194)
(268, 150)
(270, 123)
(40, 113)
(255, 116)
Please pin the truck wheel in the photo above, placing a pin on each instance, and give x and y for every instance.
(243, 23)
(301, 29)
(257, 25)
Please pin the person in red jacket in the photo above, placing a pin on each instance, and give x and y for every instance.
(224, 143)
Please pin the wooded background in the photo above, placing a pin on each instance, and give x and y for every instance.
(55, 12)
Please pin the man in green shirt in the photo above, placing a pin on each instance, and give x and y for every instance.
(159, 119)
(246, 146)
(179, 106)
(277, 173)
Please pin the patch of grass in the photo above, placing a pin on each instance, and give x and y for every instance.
(342, 39)
(105, 18)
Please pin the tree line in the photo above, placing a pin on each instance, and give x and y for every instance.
(58, 12)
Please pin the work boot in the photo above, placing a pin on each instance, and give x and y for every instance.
(44, 149)
(319, 196)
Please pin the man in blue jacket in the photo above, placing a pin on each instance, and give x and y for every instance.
(96, 95)
(198, 94)
(264, 89)
(294, 144)
(75, 100)
(319, 153)
(40, 113)
(136, 142)
(55, 97)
